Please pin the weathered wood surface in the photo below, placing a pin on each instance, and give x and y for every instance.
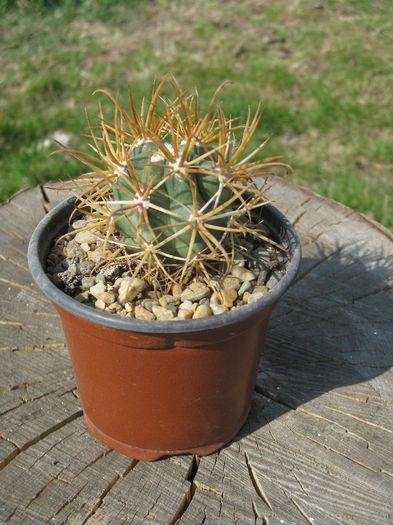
(317, 447)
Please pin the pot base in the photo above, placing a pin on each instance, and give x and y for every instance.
(145, 454)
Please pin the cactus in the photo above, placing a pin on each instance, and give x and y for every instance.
(169, 185)
(170, 199)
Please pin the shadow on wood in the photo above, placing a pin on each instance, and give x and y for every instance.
(333, 329)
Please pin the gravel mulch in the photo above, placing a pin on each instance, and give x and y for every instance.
(76, 264)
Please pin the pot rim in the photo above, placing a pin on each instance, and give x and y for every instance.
(54, 221)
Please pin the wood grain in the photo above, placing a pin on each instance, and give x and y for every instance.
(317, 447)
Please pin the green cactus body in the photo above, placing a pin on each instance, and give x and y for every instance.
(143, 223)
(171, 188)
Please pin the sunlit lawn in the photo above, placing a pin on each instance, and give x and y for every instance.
(322, 70)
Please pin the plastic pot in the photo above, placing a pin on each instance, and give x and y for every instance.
(156, 388)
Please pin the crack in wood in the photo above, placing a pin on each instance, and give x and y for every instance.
(13, 408)
(38, 438)
(14, 235)
(20, 386)
(68, 502)
(312, 239)
(5, 322)
(147, 516)
(33, 348)
(373, 292)
(255, 510)
(335, 451)
(331, 421)
(273, 397)
(7, 459)
(14, 263)
(108, 488)
(256, 483)
(188, 496)
(298, 480)
(302, 512)
(100, 456)
(375, 425)
(45, 486)
(14, 284)
(297, 219)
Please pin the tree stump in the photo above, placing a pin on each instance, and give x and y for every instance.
(317, 447)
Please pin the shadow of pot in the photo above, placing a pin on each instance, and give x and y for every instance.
(151, 389)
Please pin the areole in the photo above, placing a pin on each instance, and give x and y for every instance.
(155, 388)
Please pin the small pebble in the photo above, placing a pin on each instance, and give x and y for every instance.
(187, 305)
(243, 274)
(114, 307)
(85, 267)
(100, 278)
(218, 309)
(73, 269)
(87, 282)
(148, 304)
(214, 299)
(203, 310)
(231, 282)
(100, 304)
(130, 288)
(151, 294)
(177, 290)
(163, 314)
(185, 314)
(86, 236)
(262, 289)
(262, 277)
(228, 297)
(96, 256)
(74, 250)
(195, 292)
(246, 297)
(82, 297)
(142, 313)
(79, 223)
(100, 293)
(245, 287)
(166, 300)
(255, 297)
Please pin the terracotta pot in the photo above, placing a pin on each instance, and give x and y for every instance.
(156, 388)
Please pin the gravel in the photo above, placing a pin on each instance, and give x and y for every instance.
(77, 265)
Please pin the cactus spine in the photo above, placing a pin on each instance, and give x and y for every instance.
(173, 184)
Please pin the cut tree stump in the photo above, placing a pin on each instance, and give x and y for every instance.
(317, 447)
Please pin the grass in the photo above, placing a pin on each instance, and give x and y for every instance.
(321, 69)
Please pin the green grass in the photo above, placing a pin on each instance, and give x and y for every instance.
(321, 69)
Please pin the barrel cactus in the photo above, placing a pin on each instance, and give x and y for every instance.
(170, 187)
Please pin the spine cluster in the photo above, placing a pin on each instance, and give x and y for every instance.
(171, 187)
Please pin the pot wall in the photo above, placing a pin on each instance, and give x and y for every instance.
(150, 395)
(154, 388)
